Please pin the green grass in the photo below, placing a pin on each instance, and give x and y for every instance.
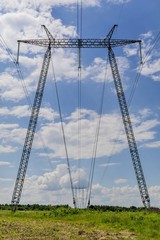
(67, 223)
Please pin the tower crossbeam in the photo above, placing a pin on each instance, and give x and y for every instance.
(79, 43)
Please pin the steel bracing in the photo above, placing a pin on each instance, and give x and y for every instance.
(31, 129)
(107, 43)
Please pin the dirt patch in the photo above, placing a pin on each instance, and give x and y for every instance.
(50, 230)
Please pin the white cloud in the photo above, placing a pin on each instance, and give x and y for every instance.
(146, 112)
(82, 114)
(65, 65)
(150, 56)
(154, 192)
(10, 88)
(59, 178)
(100, 70)
(7, 149)
(118, 196)
(51, 180)
(40, 6)
(130, 50)
(108, 164)
(54, 188)
(8, 126)
(151, 68)
(2, 163)
(118, 1)
(145, 130)
(6, 180)
(11, 134)
(120, 181)
(155, 144)
(51, 133)
(108, 144)
(23, 20)
(24, 111)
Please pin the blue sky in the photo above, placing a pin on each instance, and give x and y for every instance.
(47, 179)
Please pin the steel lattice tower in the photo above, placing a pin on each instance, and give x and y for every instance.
(107, 43)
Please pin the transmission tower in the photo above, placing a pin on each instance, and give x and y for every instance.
(107, 43)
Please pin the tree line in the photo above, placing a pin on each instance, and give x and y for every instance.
(40, 207)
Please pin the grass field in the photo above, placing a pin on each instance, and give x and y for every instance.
(68, 223)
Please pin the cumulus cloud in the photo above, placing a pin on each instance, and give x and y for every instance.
(25, 5)
(100, 71)
(59, 178)
(112, 138)
(10, 135)
(52, 133)
(151, 57)
(53, 136)
(23, 20)
(131, 50)
(146, 127)
(125, 195)
(7, 149)
(54, 187)
(25, 111)
(120, 196)
(155, 195)
(151, 69)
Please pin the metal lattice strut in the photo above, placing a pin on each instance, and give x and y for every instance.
(31, 129)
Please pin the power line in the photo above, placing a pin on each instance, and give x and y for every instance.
(144, 61)
(95, 146)
(20, 75)
(21, 79)
(63, 134)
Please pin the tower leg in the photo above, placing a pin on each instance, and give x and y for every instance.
(129, 131)
(31, 130)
